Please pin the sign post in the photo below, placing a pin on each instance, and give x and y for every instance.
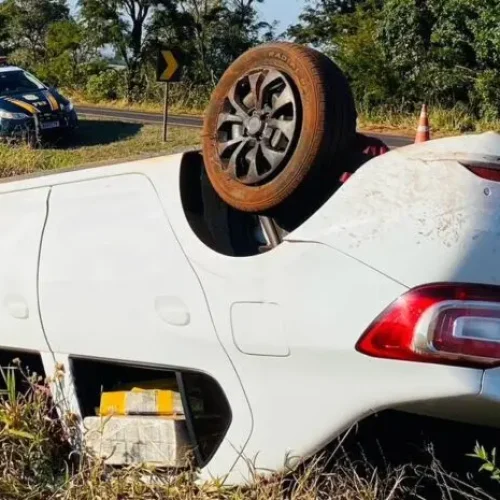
(165, 111)
(168, 69)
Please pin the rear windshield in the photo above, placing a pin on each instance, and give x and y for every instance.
(12, 82)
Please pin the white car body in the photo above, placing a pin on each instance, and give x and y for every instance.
(102, 263)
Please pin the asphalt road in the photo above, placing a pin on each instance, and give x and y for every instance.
(392, 141)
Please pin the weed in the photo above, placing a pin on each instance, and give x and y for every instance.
(444, 121)
(36, 462)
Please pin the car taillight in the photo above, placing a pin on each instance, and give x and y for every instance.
(456, 324)
(486, 170)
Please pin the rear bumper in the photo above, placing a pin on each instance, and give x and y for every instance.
(481, 407)
(490, 390)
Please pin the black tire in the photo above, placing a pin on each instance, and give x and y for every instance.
(324, 125)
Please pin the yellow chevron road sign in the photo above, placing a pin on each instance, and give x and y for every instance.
(168, 65)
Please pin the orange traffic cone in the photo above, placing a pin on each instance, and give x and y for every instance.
(423, 130)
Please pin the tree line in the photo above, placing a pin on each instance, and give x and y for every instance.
(396, 53)
(76, 49)
(400, 53)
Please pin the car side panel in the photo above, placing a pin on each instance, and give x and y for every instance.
(115, 284)
(417, 214)
(22, 219)
(290, 319)
(316, 385)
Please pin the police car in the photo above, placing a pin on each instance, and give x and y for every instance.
(29, 110)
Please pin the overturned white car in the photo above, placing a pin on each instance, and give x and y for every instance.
(209, 316)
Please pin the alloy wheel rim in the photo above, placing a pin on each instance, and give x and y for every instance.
(259, 126)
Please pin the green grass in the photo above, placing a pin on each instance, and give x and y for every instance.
(444, 122)
(96, 141)
(104, 140)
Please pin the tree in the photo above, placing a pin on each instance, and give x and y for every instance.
(28, 23)
(447, 51)
(71, 60)
(241, 30)
(406, 36)
(399, 53)
(348, 31)
(318, 21)
(213, 33)
(128, 27)
(191, 25)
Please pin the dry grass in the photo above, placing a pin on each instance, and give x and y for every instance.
(177, 105)
(96, 141)
(36, 463)
(444, 122)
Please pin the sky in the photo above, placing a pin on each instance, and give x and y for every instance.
(284, 11)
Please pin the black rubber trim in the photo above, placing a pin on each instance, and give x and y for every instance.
(183, 389)
(188, 413)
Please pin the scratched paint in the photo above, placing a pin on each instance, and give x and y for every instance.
(418, 216)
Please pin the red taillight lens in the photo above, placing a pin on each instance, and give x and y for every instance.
(455, 324)
(486, 170)
(486, 173)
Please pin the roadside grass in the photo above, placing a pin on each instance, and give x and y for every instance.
(96, 141)
(37, 463)
(179, 105)
(443, 122)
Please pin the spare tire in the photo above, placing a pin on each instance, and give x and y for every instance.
(278, 116)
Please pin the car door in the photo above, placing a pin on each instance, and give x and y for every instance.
(22, 218)
(116, 285)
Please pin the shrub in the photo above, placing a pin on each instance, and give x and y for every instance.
(487, 92)
(108, 85)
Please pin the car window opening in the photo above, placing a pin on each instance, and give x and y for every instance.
(25, 367)
(192, 401)
(219, 226)
(242, 234)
